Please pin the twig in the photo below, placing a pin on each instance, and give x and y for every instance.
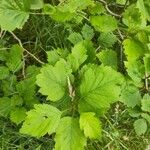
(2, 34)
(97, 49)
(20, 43)
(109, 11)
(120, 34)
(37, 13)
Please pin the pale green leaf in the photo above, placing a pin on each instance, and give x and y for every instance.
(91, 125)
(97, 9)
(74, 5)
(146, 103)
(108, 58)
(140, 126)
(41, 120)
(53, 57)
(53, 80)
(104, 23)
(99, 88)
(77, 56)
(67, 10)
(13, 14)
(57, 13)
(122, 2)
(69, 136)
(17, 115)
(133, 49)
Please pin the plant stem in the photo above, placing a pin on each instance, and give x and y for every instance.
(20, 43)
(108, 10)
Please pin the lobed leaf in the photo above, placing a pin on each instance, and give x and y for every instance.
(41, 120)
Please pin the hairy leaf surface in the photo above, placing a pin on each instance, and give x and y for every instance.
(41, 120)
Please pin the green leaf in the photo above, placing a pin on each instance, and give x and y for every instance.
(90, 124)
(143, 36)
(104, 23)
(147, 63)
(8, 85)
(140, 126)
(108, 58)
(136, 71)
(31, 72)
(56, 54)
(75, 38)
(41, 120)
(97, 9)
(14, 58)
(4, 72)
(147, 6)
(91, 51)
(18, 115)
(3, 55)
(37, 4)
(130, 96)
(74, 5)
(87, 32)
(107, 40)
(144, 14)
(53, 57)
(53, 80)
(60, 13)
(28, 94)
(146, 103)
(146, 117)
(68, 10)
(99, 88)
(16, 100)
(134, 112)
(5, 106)
(132, 17)
(13, 14)
(133, 49)
(69, 136)
(77, 56)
